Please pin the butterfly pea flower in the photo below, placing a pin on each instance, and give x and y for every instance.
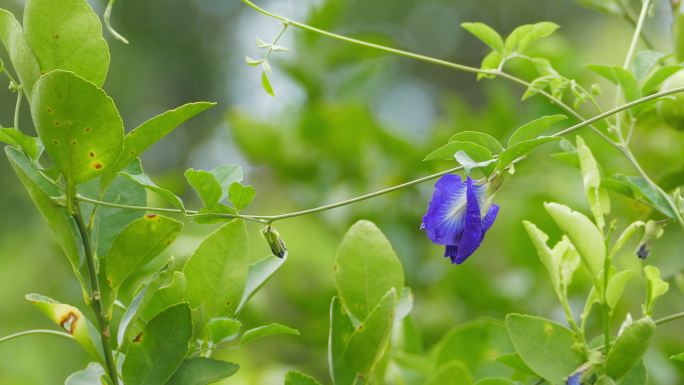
(574, 379)
(458, 216)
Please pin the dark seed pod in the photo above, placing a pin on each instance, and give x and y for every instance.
(274, 242)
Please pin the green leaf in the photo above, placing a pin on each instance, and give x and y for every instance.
(534, 129)
(366, 267)
(616, 285)
(145, 181)
(485, 33)
(266, 83)
(452, 373)
(297, 378)
(138, 244)
(480, 138)
(153, 130)
(19, 51)
(538, 85)
(490, 62)
(29, 144)
(258, 274)
(523, 36)
(265, 331)
(544, 345)
(495, 381)
(67, 35)
(217, 271)
(477, 152)
(71, 320)
(513, 360)
(212, 186)
(523, 148)
(550, 258)
(474, 344)
(645, 61)
(629, 347)
(223, 329)
(678, 357)
(606, 6)
(202, 371)
(241, 196)
(655, 288)
(653, 82)
(42, 192)
(620, 76)
(154, 357)
(368, 342)
(253, 62)
(165, 296)
(109, 222)
(583, 234)
(77, 123)
(91, 375)
(625, 236)
(637, 188)
(341, 328)
(636, 376)
(597, 196)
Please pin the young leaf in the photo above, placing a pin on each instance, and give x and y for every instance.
(92, 374)
(240, 195)
(678, 357)
(616, 285)
(490, 62)
(637, 188)
(485, 33)
(655, 287)
(202, 371)
(475, 151)
(165, 296)
(368, 342)
(544, 345)
(538, 85)
(297, 378)
(523, 36)
(147, 183)
(550, 258)
(265, 331)
(222, 329)
(583, 233)
(67, 35)
(253, 62)
(534, 129)
(523, 148)
(341, 328)
(653, 82)
(71, 320)
(212, 186)
(19, 51)
(597, 196)
(452, 373)
(157, 354)
(645, 61)
(266, 83)
(43, 192)
(29, 144)
(625, 236)
(138, 244)
(480, 138)
(217, 271)
(153, 130)
(366, 267)
(77, 123)
(258, 274)
(629, 347)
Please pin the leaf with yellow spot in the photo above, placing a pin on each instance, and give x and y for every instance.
(72, 321)
(78, 124)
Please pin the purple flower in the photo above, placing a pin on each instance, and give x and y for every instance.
(574, 379)
(457, 216)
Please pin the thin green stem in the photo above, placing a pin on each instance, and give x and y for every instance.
(637, 32)
(627, 14)
(36, 331)
(95, 296)
(108, 25)
(269, 51)
(669, 318)
(17, 108)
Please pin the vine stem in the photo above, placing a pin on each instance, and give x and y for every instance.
(271, 218)
(35, 331)
(637, 32)
(669, 318)
(17, 108)
(96, 297)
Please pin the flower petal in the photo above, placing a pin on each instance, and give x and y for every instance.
(472, 232)
(443, 221)
(489, 219)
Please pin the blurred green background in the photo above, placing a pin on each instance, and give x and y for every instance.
(346, 121)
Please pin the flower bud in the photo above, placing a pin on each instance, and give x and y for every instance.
(274, 241)
(653, 231)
